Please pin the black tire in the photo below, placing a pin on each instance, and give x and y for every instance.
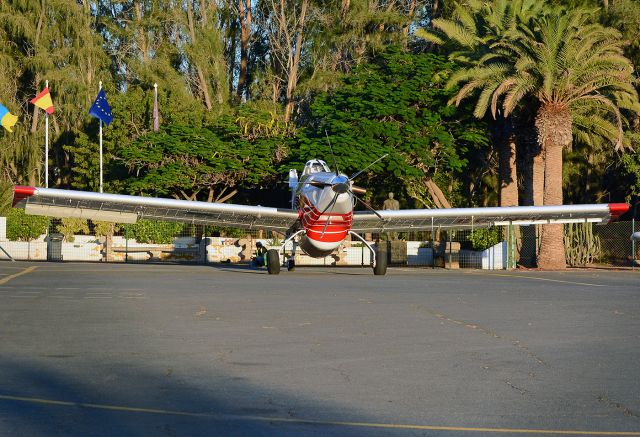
(291, 265)
(381, 263)
(273, 262)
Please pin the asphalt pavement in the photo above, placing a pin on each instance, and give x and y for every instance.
(174, 350)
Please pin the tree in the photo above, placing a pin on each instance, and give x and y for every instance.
(467, 37)
(208, 164)
(577, 73)
(395, 105)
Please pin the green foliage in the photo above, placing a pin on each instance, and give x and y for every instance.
(6, 197)
(105, 229)
(206, 163)
(482, 239)
(71, 226)
(396, 106)
(631, 170)
(156, 232)
(23, 227)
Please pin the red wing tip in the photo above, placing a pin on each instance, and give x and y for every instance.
(21, 193)
(617, 209)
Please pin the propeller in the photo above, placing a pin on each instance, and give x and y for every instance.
(355, 175)
(335, 163)
(369, 207)
(340, 185)
(330, 205)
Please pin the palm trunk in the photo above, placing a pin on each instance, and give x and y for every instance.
(508, 175)
(554, 133)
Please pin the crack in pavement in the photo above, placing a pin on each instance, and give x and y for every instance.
(474, 326)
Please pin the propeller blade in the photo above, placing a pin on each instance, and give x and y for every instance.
(317, 184)
(355, 175)
(369, 207)
(330, 205)
(358, 190)
(335, 163)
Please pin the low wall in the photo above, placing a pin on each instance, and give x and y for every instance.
(229, 250)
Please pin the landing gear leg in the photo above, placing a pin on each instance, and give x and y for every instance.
(290, 262)
(378, 257)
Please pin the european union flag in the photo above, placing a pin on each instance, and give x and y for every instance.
(101, 109)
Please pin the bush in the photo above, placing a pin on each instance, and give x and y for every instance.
(23, 227)
(105, 229)
(70, 226)
(147, 231)
(482, 239)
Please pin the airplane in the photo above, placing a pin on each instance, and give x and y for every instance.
(321, 218)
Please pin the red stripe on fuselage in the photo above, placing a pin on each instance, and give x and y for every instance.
(314, 222)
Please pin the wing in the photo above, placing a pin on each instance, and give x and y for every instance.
(426, 219)
(128, 209)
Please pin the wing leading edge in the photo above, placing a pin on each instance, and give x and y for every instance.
(128, 209)
(426, 219)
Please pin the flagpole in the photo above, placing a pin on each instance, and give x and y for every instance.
(156, 123)
(46, 145)
(100, 84)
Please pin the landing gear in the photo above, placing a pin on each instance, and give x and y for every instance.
(378, 256)
(273, 262)
(291, 264)
(380, 267)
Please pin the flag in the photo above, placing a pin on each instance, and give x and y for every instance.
(7, 119)
(101, 109)
(156, 116)
(43, 101)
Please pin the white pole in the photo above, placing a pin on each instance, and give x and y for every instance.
(46, 145)
(100, 148)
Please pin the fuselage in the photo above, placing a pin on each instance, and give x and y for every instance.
(325, 208)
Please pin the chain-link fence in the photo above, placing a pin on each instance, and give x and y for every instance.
(39, 238)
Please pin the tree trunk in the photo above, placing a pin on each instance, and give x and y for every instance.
(538, 178)
(295, 62)
(202, 81)
(245, 33)
(437, 195)
(554, 132)
(508, 174)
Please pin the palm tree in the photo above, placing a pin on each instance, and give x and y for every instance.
(577, 73)
(468, 36)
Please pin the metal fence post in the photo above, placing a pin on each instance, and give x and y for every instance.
(633, 243)
(126, 243)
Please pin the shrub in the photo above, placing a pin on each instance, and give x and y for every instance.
(105, 229)
(148, 231)
(70, 226)
(23, 227)
(482, 239)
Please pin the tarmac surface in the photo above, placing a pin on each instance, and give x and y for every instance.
(170, 350)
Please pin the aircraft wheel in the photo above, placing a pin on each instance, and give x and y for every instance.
(291, 265)
(273, 262)
(381, 263)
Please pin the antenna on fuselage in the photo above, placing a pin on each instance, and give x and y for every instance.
(335, 163)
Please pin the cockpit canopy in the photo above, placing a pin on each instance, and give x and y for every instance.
(315, 166)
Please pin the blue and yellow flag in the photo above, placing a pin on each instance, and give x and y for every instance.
(7, 119)
(101, 109)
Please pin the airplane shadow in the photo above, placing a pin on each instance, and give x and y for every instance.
(39, 400)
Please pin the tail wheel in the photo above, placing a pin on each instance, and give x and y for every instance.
(291, 265)
(273, 262)
(381, 262)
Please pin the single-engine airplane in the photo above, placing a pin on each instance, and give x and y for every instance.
(321, 217)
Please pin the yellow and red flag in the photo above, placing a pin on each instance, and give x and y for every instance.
(43, 101)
